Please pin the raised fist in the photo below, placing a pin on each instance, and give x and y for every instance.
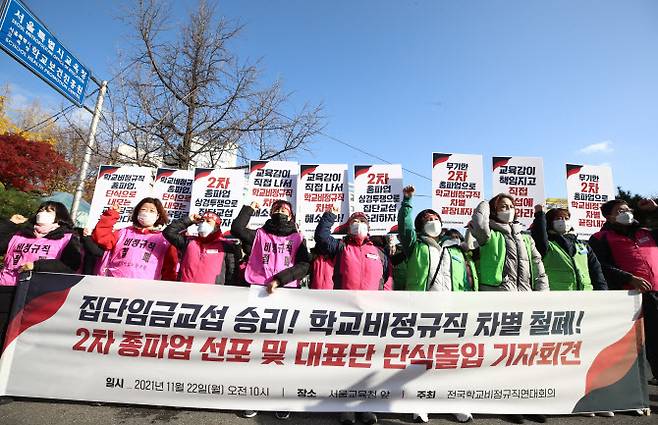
(408, 191)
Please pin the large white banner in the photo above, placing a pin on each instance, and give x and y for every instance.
(457, 186)
(270, 181)
(523, 178)
(321, 187)
(378, 194)
(174, 189)
(220, 191)
(209, 346)
(123, 186)
(588, 186)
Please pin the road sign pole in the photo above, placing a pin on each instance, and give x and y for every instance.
(91, 139)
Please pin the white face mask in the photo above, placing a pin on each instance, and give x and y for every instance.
(432, 228)
(147, 219)
(561, 226)
(359, 229)
(505, 216)
(625, 218)
(204, 229)
(45, 217)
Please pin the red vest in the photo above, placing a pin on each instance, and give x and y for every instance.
(637, 256)
(322, 273)
(203, 262)
(361, 267)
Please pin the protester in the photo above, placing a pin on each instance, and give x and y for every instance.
(508, 258)
(431, 266)
(46, 242)
(358, 265)
(139, 251)
(570, 264)
(628, 254)
(278, 255)
(208, 257)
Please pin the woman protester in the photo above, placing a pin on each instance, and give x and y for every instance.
(431, 266)
(570, 264)
(508, 258)
(358, 265)
(46, 242)
(278, 256)
(208, 257)
(139, 251)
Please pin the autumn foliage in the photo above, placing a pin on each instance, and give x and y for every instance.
(31, 166)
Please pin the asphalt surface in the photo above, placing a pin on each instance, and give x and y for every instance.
(47, 412)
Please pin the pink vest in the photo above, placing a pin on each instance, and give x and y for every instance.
(361, 268)
(271, 254)
(23, 250)
(322, 274)
(136, 255)
(638, 257)
(202, 262)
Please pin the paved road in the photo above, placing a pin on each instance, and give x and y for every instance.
(43, 412)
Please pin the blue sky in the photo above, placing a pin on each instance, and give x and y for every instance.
(570, 81)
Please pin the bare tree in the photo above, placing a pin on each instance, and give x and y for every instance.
(192, 98)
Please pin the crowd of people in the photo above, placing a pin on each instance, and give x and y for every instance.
(496, 254)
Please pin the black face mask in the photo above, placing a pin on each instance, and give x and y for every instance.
(279, 218)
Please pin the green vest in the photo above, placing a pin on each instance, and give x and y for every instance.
(418, 266)
(492, 259)
(419, 273)
(462, 271)
(566, 273)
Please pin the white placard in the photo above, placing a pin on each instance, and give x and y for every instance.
(220, 191)
(457, 186)
(123, 186)
(270, 181)
(588, 186)
(321, 187)
(174, 189)
(523, 178)
(378, 194)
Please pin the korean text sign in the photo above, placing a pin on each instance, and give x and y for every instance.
(457, 186)
(270, 181)
(588, 186)
(121, 186)
(523, 178)
(219, 191)
(321, 188)
(28, 40)
(378, 194)
(210, 346)
(174, 189)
